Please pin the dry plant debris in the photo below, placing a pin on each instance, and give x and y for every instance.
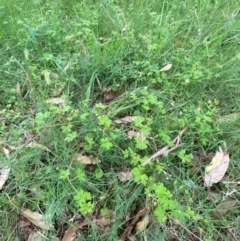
(217, 168)
(37, 219)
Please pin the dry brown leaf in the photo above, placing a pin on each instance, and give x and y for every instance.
(37, 219)
(126, 119)
(37, 145)
(125, 176)
(142, 225)
(56, 101)
(128, 230)
(137, 134)
(103, 221)
(110, 95)
(217, 168)
(34, 236)
(70, 234)
(226, 206)
(81, 158)
(166, 67)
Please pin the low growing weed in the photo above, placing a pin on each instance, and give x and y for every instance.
(93, 89)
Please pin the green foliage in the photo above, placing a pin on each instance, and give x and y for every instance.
(104, 59)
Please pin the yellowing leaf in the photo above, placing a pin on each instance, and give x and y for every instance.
(81, 158)
(126, 119)
(37, 219)
(141, 226)
(217, 168)
(166, 67)
(125, 176)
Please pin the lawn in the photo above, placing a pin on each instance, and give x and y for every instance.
(114, 114)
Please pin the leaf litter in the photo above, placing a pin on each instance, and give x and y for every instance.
(87, 160)
(4, 170)
(217, 168)
(125, 176)
(37, 219)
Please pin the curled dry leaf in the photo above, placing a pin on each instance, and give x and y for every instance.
(81, 158)
(141, 226)
(37, 219)
(70, 234)
(126, 119)
(56, 101)
(137, 134)
(166, 67)
(125, 176)
(217, 168)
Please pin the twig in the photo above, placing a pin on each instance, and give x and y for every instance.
(165, 149)
(186, 228)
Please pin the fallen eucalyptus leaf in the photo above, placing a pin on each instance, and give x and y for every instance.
(37, 219)
(166, 67)
(217, 168)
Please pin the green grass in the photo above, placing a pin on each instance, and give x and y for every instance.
(85, 47)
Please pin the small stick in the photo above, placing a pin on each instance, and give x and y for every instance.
(165, 149)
